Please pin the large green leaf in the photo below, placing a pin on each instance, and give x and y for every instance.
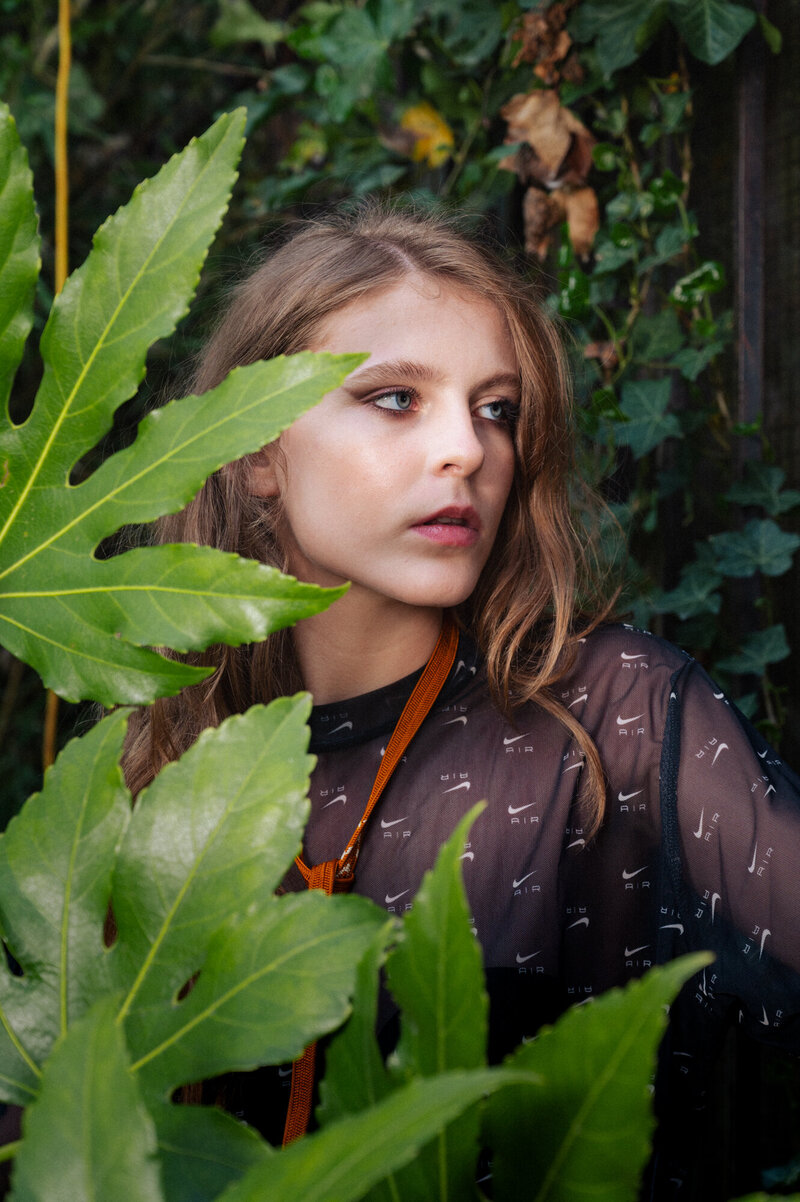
(19, 252)
(210, 838)
(192, 892)
(88, 1137)
(71, 615)
(203, 1150)
(584, 1131)
(355, 1076)
(270, 983)
(55, 872)
(436, 976)
(85, 624)
(342, 1162)
(712, 29)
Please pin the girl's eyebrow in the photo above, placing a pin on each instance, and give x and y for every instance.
(396, 371)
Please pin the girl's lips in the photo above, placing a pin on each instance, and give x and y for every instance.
(451, 527)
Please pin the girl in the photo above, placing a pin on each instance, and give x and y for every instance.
(633, 814)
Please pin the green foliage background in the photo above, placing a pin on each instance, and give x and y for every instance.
(326, 89)
(326, 86)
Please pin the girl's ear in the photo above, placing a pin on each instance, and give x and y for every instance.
(263, 473)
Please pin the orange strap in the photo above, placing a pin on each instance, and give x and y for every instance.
(337, 876)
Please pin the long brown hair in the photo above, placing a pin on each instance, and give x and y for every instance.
(538, 591)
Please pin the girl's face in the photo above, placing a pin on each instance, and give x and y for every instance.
(397, 480)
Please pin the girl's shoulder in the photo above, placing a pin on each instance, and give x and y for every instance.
(619, 686)
(618, 656)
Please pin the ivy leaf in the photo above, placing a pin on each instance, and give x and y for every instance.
(644, 404)
(436, 976)
(586, 1128)
(608, 256)
(693, 359)
(55, 880)
(772, 35)
(695, 594)
(203, 1150)
(712, 29)
(622, 29)
(238, 21)
(763, 485)
(19, 251)
(670, 242)
(88, 1136)
(761, 547)
(690, 289)
(658, 336)
(81, 621)
(758, 649)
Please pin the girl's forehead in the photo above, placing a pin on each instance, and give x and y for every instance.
(418, 308)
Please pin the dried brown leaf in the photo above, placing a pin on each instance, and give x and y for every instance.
(561, 144)
(583, 217)
(604, 352)
(541, 212)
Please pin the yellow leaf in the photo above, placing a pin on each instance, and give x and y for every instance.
(433, 136)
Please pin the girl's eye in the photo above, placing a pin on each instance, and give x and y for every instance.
(399, 401)
(498, 411)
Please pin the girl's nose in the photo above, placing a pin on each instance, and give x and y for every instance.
(454, 442)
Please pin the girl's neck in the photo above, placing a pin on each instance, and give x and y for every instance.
(354, 648)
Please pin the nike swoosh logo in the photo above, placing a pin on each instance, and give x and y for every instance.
(394, 822)
(389, 900)
(576, 843)
(752, 867)
(628, 876)
(524, 878)
(285, 1072)
(765, 1020)
(464, 785)
(721, 747)
(715, 897)
(583, 697)
(519, 809)
(631, 951)
(765, 932)
(468, 855)
(344, 726)
(672, 926)
(762, 755)
(522, 959)
(641, 655)
(719, 696)
(624, 721)
(450, 721)
(698, 834)
(515, 739)
(628, 796)
(578, 922)
(572, 767)
(341, 797)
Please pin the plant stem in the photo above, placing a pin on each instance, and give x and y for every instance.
(9, 1151)
(61, 264)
